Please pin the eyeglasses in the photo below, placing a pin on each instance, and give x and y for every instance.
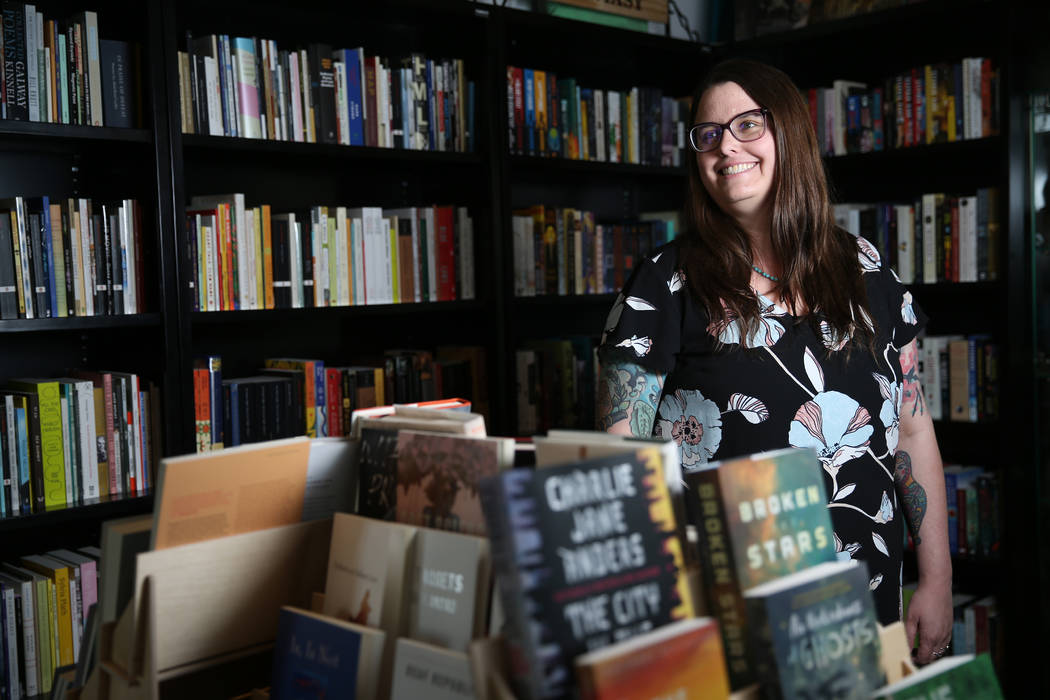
(746, 126)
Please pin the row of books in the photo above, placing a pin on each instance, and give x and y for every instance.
(298, 396)
(960, 377)
(46, 603)
(973, 511)
(75, 440)
(70, 257)
(937, 103)
(937, 238)
(247, 87)
(555, 384)
(62, 72)
(564, 251)
(555, 117)
(249, 258)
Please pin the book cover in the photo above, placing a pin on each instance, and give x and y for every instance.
(316, 656)
(438, 478)
(427, 671)
(815, 633)
(681, 660)
(965, 676)
(449, 591)
(231, 491)
(587, 554)
(759, 518)
(116, 82)
(366, 565)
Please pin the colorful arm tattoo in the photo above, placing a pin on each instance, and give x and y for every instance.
(912, 389)
(628, 392)
(912, 494)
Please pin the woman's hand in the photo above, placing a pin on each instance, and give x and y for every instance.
(930, 616)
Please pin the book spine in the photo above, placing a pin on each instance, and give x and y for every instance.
(720, 580)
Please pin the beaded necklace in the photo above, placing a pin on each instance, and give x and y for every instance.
(765, 274)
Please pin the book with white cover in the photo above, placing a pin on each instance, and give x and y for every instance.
(424, 670)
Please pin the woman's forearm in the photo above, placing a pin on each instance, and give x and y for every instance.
(628, 396)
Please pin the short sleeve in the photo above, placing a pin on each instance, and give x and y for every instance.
(905, 318)
(908, 318)
(644, 326)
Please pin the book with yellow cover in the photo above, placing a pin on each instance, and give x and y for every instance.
(232, 491)
(59, 575)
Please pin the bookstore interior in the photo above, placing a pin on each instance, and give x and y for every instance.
(280, 282)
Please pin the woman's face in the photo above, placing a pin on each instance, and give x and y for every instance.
(738, 175)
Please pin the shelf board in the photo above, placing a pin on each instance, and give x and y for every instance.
(97, 510)
(75, 323)
(547, 300)
(325, 150)
(989, 146)
(877, 21)
(23, 129)
(615, 36)
(263, 315)
(548, 165)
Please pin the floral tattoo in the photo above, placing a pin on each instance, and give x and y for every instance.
(628, 392)
(911, 386)
(912, 494)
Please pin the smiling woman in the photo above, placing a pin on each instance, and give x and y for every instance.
(765, 326)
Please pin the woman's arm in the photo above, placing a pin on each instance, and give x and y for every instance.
(920, 486)
(628, 396)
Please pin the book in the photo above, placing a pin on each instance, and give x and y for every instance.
(586, 554)
(316, 656)
(449, 588)
(681, 660)
(965, 676)
(759, 517)
(424, 670)
(235, 490)
(815, 634)
(438, 478)
(331, 478)
(116, 82)
(121, 540)
(377, 470)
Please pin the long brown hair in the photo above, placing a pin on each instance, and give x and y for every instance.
(820, 268)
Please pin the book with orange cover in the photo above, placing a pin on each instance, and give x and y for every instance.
(682, 659)
(232, 491)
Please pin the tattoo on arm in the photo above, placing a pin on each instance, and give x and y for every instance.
(911, 492)
(911, 387)
(628, 392)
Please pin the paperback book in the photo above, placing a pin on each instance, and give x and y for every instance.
(587, 555)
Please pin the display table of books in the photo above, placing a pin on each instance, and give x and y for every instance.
(578, 564)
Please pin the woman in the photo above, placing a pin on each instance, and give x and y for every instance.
(767, 326)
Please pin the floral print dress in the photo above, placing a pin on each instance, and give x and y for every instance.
(783, 385)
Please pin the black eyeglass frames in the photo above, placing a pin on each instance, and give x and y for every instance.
(746, 126)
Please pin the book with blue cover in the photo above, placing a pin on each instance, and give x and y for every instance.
(815, 634)
(317, 656)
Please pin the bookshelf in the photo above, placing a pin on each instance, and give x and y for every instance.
(164, 168)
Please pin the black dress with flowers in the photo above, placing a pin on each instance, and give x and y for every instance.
(782, 387)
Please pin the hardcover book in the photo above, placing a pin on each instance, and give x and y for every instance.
(317, 656)
(681, 660)
(963, 676)
(587, 554)
(759, 518)
(449, 591)
(438, 478)
(815, 633)
(424, 670)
